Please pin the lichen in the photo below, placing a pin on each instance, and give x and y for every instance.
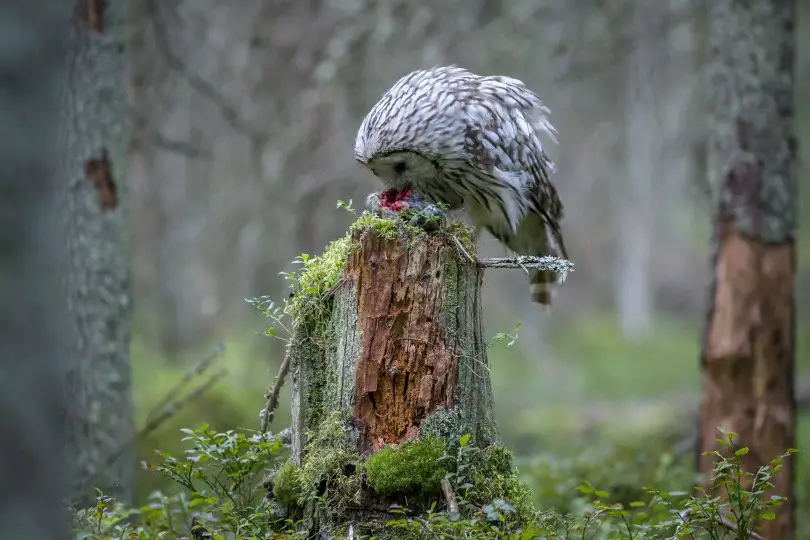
(443, 423)
(415, 467)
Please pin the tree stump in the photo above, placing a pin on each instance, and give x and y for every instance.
(392, 400)
(401, 340)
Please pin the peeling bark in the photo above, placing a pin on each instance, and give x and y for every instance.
(403, 341)
(748, 352)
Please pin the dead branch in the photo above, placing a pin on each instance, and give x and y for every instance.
(194, 372)
(151, 425)
(167, 413)
(450, 497)
(554, 264)
(272, 395)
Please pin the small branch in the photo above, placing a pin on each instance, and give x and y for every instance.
(170, 411)
(450, 497)
(194, 372)
(272, 396)
(554, 264)
(464, 251)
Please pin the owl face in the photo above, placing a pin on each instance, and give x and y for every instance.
(402, 170)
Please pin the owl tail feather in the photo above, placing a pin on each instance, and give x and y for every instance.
(543, 286)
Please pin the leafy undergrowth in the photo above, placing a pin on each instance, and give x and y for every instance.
(223, 480)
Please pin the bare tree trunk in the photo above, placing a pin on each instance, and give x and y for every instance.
(32, 311)
(748, 357)
(96, 216)
(634, 289)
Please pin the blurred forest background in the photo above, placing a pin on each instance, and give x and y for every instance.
(245, 118)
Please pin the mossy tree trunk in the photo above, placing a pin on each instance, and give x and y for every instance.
(396, 349)
(748, 352)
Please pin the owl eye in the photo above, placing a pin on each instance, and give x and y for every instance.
(400, 167)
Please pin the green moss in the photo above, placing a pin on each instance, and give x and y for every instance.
(287, 483)
(414, 467)
(494, 476)
(328, 487)
(388, 228)
(318, 275)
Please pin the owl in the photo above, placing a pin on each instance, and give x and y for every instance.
(469, 141)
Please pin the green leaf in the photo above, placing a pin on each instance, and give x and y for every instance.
(742, 451)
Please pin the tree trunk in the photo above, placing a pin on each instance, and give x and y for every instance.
(406, 341)
(747, 360)
(95, 211)
(32, 463)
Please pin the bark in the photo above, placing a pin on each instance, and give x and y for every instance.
(32, 467)
(748, 351)
(96, 222)
(404, 340)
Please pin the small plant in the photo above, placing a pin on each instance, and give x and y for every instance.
(510, 337)
(736, 502)
(221, 480)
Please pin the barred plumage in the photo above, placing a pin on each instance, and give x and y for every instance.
(471, 141)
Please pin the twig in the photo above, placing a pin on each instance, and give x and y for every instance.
(464, 251)
(168, 412)
(194, 372)
(450, 497)
(151, 425)
(272, 396)
(554, 264)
